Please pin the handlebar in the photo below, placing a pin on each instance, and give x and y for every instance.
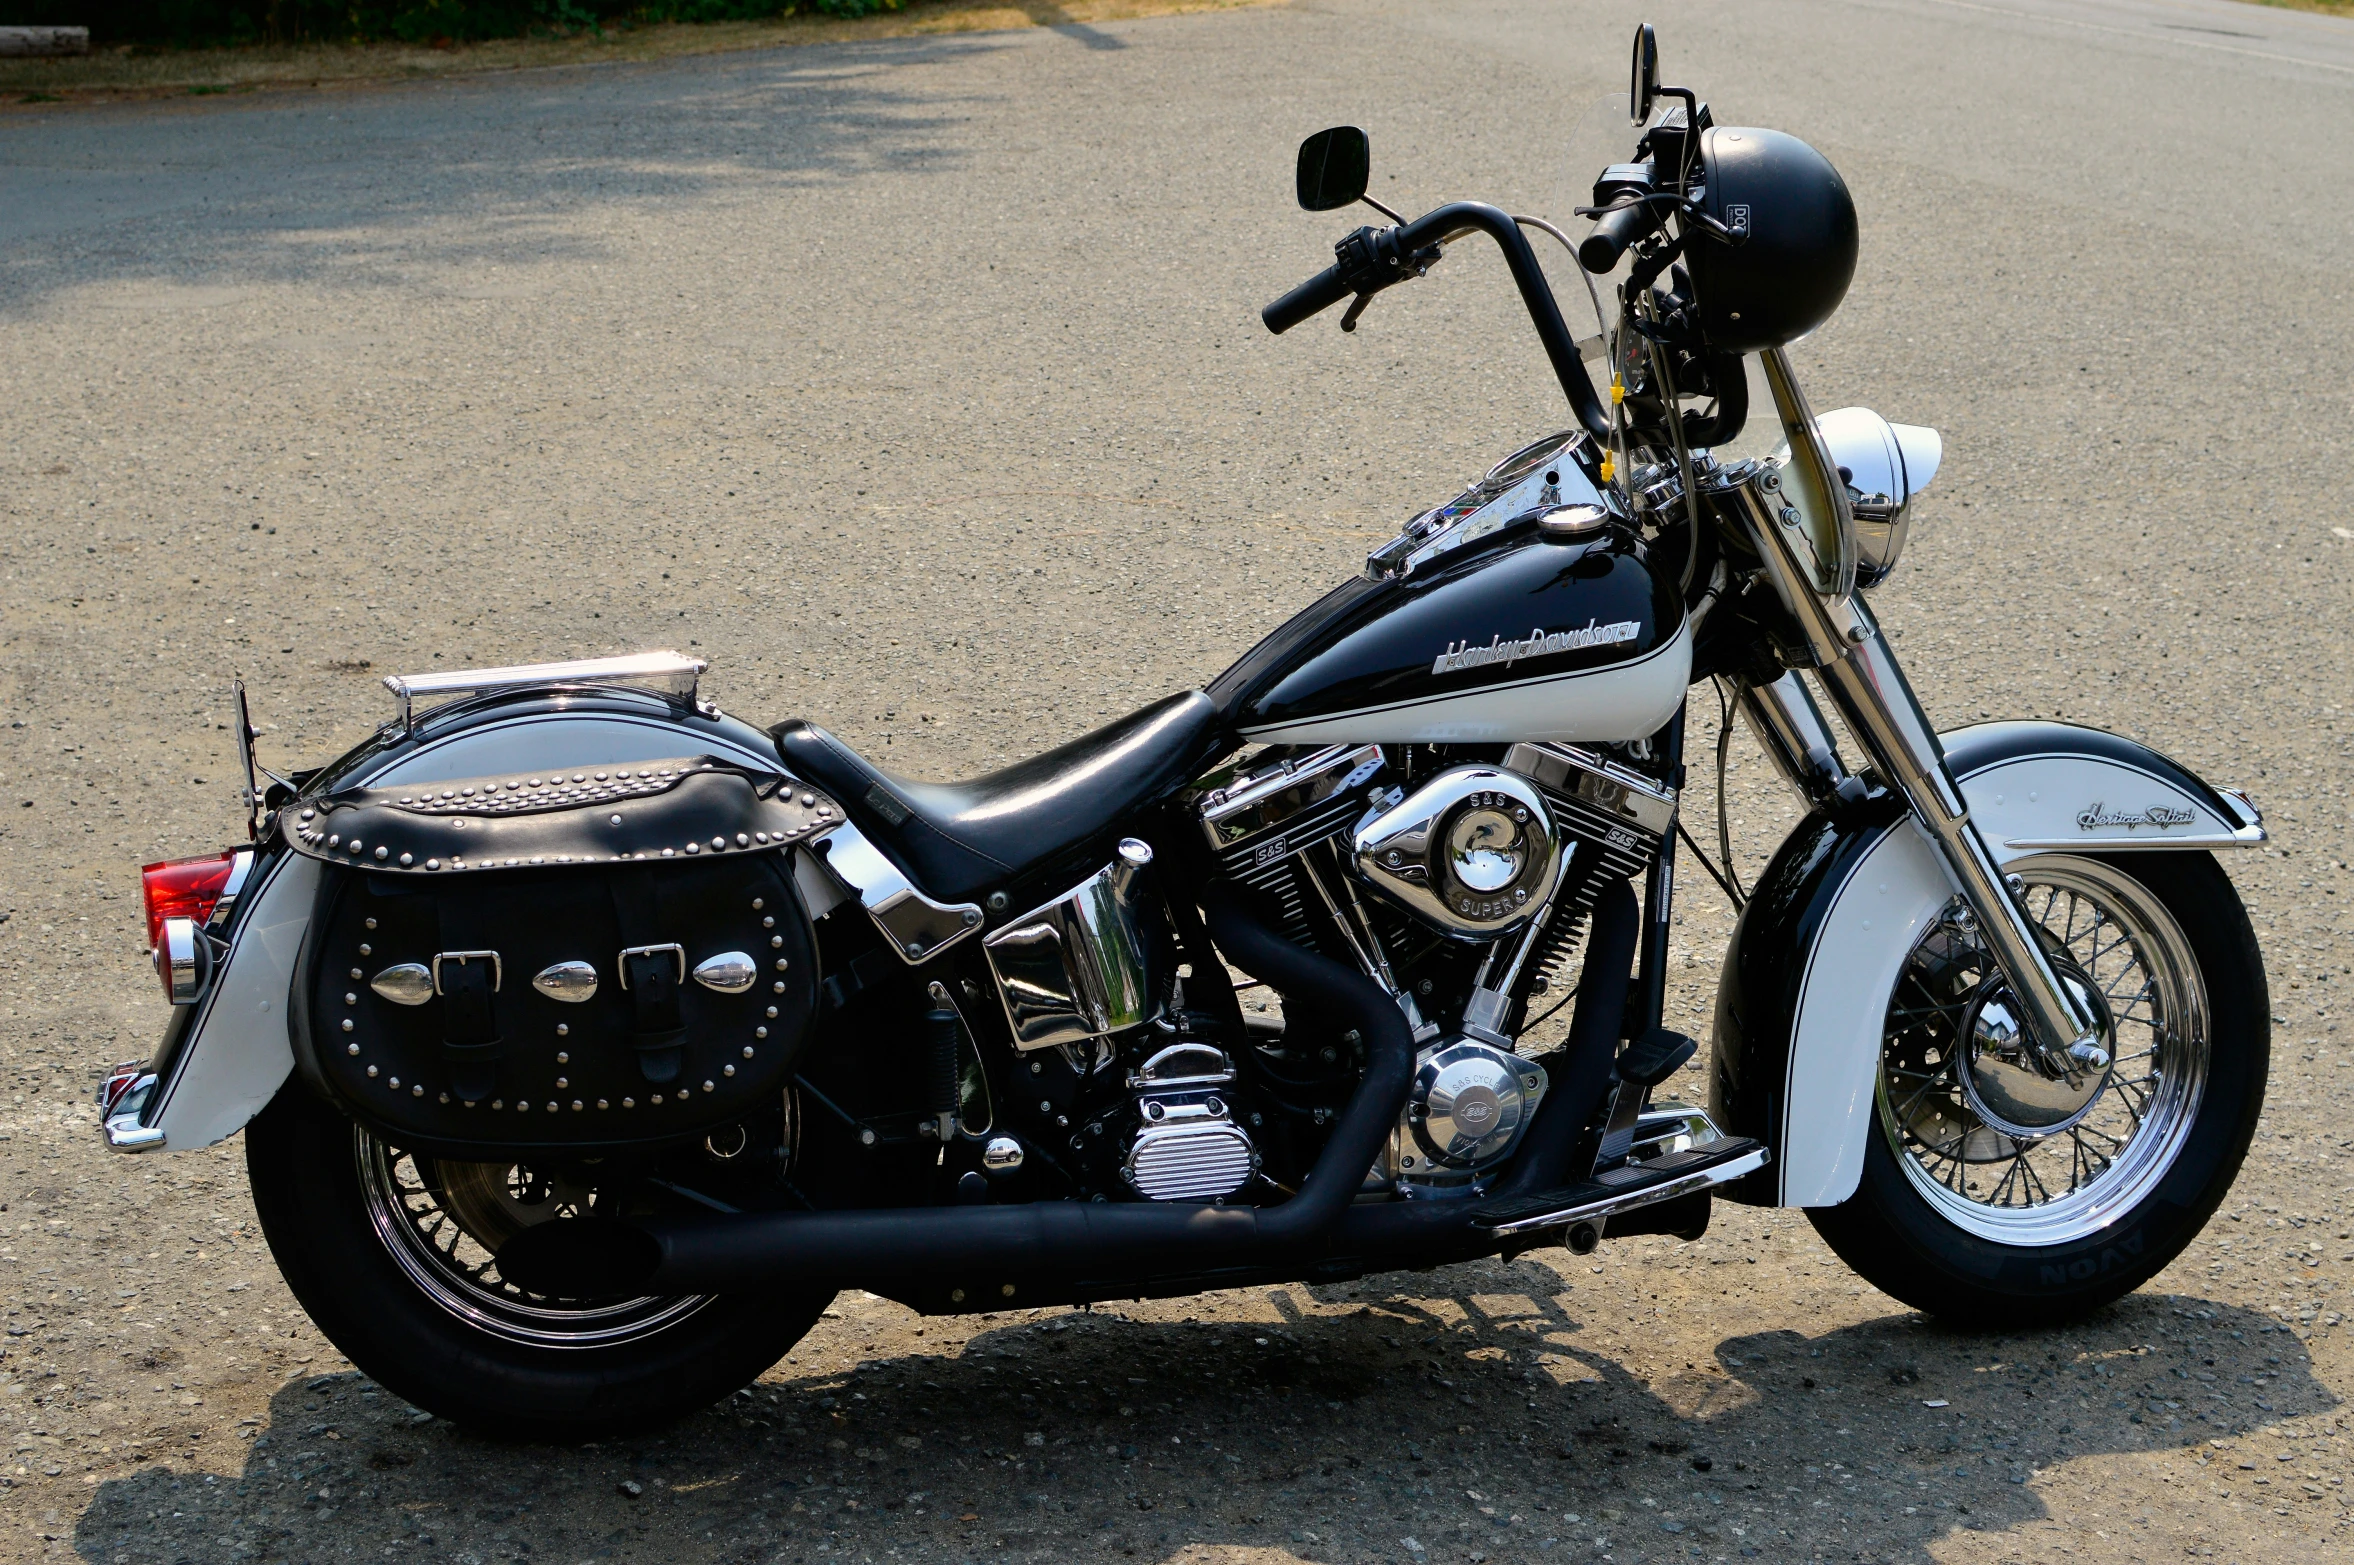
(1434, 228)
(1616, 233)
(1319, 293)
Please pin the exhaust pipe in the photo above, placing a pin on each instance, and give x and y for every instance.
(700, 1254)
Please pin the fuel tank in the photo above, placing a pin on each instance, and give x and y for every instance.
(1520, 638)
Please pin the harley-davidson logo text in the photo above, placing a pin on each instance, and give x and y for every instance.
(2098, 816)
(1536, 644)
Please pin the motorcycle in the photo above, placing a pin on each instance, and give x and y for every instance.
(782, 1023)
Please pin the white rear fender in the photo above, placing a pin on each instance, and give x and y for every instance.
(1805, 985)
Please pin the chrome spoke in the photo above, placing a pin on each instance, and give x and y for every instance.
(2126, 1126)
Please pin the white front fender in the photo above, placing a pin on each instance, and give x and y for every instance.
(1804, 989)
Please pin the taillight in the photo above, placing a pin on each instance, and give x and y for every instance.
(185, 888)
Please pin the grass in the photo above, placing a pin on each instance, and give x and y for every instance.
(159, 73)
(115, 74)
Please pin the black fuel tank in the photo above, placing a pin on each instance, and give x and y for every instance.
(1528, 640)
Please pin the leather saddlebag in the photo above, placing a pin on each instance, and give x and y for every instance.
(557, 963)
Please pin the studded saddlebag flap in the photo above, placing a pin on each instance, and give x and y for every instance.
(494, 982)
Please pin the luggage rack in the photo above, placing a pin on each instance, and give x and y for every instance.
(674, 673)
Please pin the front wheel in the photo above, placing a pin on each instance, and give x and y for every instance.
(1994, 1195)
(391, 1255)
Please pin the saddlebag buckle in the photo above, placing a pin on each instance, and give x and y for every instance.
(498, 975)
(674, 949)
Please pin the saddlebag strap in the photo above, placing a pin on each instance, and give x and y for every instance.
(650, 973)
(466, 974)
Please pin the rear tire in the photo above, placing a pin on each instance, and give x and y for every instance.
(388, 1254)
(1960, 1219)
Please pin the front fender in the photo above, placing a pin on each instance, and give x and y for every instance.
(1806, 980)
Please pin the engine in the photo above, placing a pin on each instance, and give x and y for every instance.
(1462, 885)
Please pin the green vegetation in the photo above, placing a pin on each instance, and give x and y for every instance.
(197, 23)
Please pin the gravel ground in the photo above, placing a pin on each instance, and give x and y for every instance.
(918, 385)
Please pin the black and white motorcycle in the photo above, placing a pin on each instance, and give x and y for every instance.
(587, 1039)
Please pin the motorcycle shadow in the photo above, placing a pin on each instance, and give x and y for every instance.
(1332, 1423)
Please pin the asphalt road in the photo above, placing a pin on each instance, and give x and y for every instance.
(919, 386)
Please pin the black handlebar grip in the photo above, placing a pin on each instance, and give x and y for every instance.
(1599, 251)
(1318, 293)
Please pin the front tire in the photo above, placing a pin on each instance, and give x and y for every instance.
(389, 1254)
(1960, 1215)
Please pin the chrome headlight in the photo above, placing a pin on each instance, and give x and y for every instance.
(1885, 465)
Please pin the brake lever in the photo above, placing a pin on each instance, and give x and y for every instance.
(1348, 321)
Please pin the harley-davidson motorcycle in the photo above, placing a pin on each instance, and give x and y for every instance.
(587, 1039)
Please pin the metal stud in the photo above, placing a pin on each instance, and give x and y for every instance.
(371, 1072)
(355, 972)
(600, 1103)
(351, 1048)
(561, 1057)
(561, 1084)
(416, 1092)
(445, 1097)
(367, 949)
(772, 1013)
(719, 844)
(347, 1024)
(780, 967)
(758, 904)
(707, 1087)
(563, 1030)
(569, 983)
(616, 820)
(406, 861)
(433, 863)
(498, 1103)
(555, 1108)
(396, 1084)
(629, 1103)
(576, 1105)
(727, 1070)
(657, 1097)
(694, 847)
(351, 999)
(383, 852)
(778, 986)
(774, 941)
(371, 923)
(730, 972)
(747, 1051)
(758, 1032)
(333, 838)
(407, 984)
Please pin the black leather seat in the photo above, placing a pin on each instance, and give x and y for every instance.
(956, 840)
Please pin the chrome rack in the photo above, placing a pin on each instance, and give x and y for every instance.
(673, 673)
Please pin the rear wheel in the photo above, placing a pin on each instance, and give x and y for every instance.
(1992, 1194)
(392, 1255)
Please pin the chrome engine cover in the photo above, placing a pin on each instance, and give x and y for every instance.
(1187, 1146)
(1469, 1103)
(1472, 851)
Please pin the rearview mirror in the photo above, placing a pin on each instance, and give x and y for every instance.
(1334, 166)
(1643, 89)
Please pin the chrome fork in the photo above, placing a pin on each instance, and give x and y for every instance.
(1862, 678)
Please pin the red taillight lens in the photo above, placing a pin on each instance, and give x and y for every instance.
(184, 888)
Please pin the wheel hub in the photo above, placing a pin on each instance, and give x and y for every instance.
(2002, 1074)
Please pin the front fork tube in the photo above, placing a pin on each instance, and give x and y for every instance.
(1861, 676)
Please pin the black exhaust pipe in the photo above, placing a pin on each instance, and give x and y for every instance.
(701, 1254)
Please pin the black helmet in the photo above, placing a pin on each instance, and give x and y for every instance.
(1790, 273)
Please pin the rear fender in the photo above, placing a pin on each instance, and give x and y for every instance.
(225, 1056)
(1804, 987)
